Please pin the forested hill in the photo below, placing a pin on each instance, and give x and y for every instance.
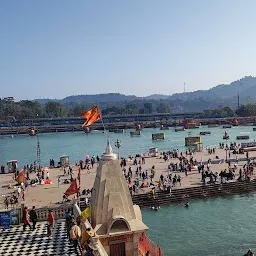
(220, 95)
(222, 98)
(87, 98)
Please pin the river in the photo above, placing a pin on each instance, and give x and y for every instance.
(212, 227)
(78, 144)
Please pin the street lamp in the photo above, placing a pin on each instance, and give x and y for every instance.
(226, 154)
(118, 145)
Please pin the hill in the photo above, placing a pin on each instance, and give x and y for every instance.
(218, 96)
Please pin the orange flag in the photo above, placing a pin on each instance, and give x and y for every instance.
(73, 189)
(92, 116)
(21, 177)
(79, 175)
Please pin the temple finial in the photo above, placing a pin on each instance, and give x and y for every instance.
(108, 155)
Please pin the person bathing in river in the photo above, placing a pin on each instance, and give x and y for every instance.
(249, 253)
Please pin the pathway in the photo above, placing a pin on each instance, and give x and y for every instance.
(18, 242)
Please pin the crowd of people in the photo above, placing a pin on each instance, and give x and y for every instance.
(79, 237)
(184, 162)
(17, 196)
(138, 177)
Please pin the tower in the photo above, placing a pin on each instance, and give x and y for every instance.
(238, 100)
(114, 218)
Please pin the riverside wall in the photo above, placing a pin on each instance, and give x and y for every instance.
(199, 192)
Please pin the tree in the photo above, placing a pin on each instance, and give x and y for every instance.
(247, 110)
(131, 109)
(227, 111)
(113, 111)
(163, 107)
(53, 109)
(31, 109)
(148, 108)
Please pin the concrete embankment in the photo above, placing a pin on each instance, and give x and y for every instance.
(186, 194)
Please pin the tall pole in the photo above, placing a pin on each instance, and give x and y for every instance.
(238, 100)
(118, 145)
(226, 152)
(38, 151)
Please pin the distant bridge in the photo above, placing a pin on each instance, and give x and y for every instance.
(120, 125)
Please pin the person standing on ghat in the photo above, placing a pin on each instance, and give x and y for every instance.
(33, 217)
(26, 220)
(75, 235)
(6, 203)
(69, 220)
(50, 223)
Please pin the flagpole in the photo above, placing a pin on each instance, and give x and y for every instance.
(98, 104)
(105, 131)
(102, 119)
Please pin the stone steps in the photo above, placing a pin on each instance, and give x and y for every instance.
(185, 194)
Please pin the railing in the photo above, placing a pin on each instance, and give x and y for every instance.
(147, 245)
(97, 245)
(58, 211)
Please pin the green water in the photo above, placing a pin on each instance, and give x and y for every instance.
(79, 144)
(223, 226)
(215, 227)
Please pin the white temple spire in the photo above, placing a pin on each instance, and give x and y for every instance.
(108, 155)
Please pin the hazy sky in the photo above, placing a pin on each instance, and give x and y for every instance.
(59, 48)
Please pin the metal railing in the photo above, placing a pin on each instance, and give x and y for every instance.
(98, 247)
(147, 245)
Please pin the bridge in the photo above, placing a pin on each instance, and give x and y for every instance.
(11, 130)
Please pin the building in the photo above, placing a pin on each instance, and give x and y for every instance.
(116, 222)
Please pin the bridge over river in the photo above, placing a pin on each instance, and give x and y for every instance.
(122, 125)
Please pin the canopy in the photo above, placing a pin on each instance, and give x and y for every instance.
(12, 161)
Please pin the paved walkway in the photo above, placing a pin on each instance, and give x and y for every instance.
(16, 242)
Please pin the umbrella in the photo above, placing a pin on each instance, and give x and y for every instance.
(46, 169)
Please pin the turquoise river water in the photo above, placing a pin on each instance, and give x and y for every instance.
(223, 226)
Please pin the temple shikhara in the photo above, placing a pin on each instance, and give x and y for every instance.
(116, 222)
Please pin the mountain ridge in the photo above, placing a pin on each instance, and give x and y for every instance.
(220, 95)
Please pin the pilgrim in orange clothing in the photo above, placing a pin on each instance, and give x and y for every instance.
(50, 223)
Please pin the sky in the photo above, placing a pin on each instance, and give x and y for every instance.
(53, 49)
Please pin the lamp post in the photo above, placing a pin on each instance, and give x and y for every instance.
(226, 154)
(118, 145)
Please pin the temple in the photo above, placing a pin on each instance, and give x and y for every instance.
(116, 223)
(114, 218)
